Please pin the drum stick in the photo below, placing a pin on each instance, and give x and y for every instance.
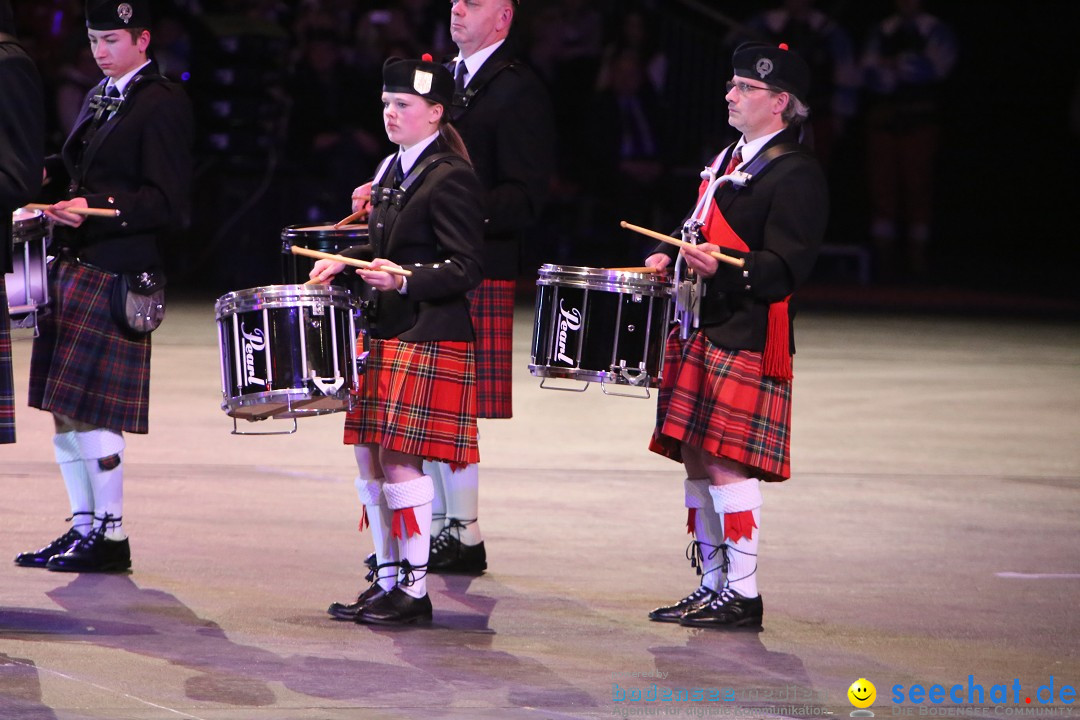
(89, 212)
(737, 262)
(636, 269)
(297, 250)
(355, 216)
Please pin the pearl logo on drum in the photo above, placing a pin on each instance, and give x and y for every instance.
(254, 342)
(570, 322)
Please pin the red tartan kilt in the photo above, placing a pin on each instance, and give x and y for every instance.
(718, 400)
(491, 306)
(418, 399)
(82, 365)
(7, 377)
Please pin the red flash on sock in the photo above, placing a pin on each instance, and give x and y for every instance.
(691, 520)
(739, 525)
(408, 524)
(363, 518)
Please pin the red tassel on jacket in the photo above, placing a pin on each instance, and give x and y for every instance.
(776, 360)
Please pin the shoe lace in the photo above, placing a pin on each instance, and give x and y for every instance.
(407, 571)
(98, 533)
(451, 532)
(697, 557)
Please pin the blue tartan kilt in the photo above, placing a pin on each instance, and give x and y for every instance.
(83, 366)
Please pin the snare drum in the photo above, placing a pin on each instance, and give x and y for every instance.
(324, 238)
(599, 325)
(287, 351)
(28, 283)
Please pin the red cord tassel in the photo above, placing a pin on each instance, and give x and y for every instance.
(363, 518)
(691, 520)
(408, 524)
(776, 361)
(739, 525)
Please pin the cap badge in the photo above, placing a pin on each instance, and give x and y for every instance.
(421, 81)
(763, 66)
(124, 12)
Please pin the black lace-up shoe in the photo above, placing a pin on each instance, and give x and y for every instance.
(450, 557)
(371, 562)
(728, 611)
(341, 611)
(93, 553)
(396, 607)
(694, 601)
(38, 558)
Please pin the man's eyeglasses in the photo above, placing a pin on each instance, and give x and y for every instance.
(745, 89)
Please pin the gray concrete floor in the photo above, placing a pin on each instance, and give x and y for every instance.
(929, 533)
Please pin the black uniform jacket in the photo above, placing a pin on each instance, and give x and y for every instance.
(781, 215)
(437, 233)
(22, 137)
(506, 121)
(139, 162)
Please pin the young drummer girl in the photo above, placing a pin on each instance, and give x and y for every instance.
(418, 396)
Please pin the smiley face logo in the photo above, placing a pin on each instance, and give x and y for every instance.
(862, 693)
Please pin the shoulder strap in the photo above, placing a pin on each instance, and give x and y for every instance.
(763, 159)
(462, 100)
(424, 166)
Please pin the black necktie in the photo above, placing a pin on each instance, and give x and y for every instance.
(395, 175)
(460, 75)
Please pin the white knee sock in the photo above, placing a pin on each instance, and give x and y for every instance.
(434, 470)
(463, 501)
(708, 531)
(740, 505)
(103, 456)
(378, 515)
(80, 492)
(413, 534)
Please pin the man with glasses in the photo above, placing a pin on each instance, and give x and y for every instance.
(724, 409)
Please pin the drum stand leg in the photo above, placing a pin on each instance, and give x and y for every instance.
(551, 387)
(236, 430)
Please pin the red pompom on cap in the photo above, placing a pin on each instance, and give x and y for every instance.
(783, 46)
(426, 57)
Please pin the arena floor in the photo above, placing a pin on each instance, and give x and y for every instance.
(929, 535)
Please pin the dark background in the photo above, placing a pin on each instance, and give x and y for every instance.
(1006, 189)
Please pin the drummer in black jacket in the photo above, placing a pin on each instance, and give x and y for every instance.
(129, 152)
(725, 404)
(22, 138)
(417, 399)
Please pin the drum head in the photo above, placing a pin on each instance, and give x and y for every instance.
(302, 235)
(279, 296)
(611, 280)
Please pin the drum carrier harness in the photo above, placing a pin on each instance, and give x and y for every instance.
(689, 288)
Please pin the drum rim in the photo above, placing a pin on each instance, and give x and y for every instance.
(291, 232)
(273, 297)
(550, 274)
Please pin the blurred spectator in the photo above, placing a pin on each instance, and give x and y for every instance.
(331, 142)
(567, 41)
(828, 50)
(635, 32)
(908, 57)
(627, 162)
(74, 80)
(172, 48)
